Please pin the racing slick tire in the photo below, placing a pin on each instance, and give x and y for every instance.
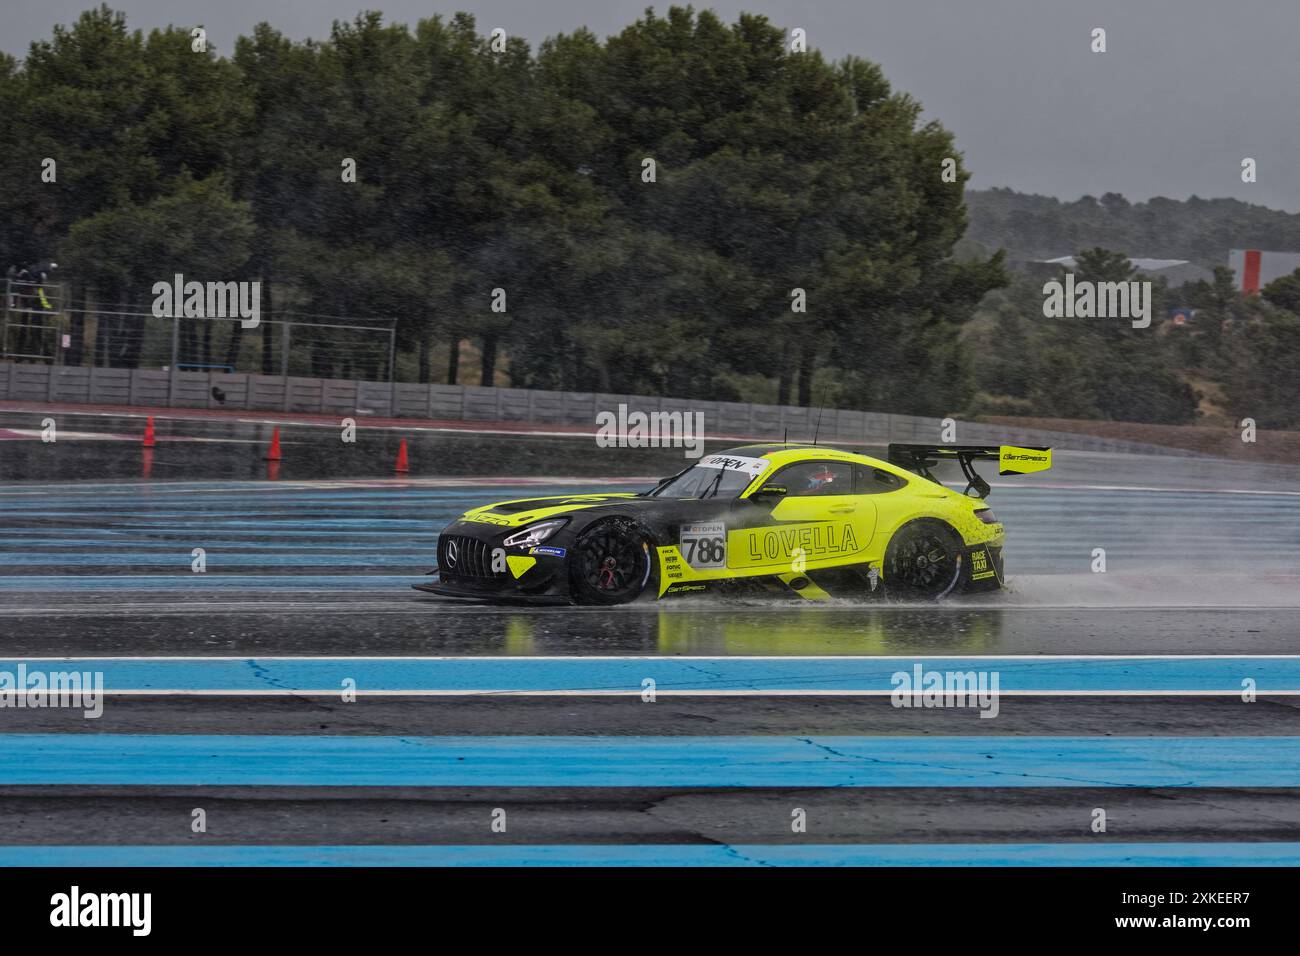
(613, 563)
(925, 561)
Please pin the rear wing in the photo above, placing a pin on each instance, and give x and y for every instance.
(1011, 459)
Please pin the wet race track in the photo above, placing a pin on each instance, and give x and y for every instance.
(225, 689)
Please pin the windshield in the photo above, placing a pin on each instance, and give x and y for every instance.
(717, 476)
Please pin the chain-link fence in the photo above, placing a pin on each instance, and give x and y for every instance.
(38, 325)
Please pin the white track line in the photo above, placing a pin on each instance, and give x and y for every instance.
(645, 658)
(637, 692)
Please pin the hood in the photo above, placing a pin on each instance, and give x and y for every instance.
(522, 511)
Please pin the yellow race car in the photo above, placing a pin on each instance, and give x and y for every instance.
(794, 519)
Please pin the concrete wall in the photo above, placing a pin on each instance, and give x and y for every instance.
(158, 389)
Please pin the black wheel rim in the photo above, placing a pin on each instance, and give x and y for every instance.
(611, 562)
(925, 563)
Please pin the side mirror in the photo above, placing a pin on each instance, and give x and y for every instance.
(769, 493)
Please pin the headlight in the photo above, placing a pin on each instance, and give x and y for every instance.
(984, 514)
(535, 534)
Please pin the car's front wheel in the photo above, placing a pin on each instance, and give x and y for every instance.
(924, 561)
(612, 563)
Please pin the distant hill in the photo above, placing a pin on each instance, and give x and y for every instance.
(1202, 230)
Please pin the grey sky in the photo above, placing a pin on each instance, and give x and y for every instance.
(1186, 90)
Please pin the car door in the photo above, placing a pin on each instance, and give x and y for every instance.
(819, 518)
(884, 490)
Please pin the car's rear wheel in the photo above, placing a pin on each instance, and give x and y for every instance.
(612, 563)
(924, 561)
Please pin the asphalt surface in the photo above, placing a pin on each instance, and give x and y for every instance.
(613, 815)
(393, 622)
(211, 704)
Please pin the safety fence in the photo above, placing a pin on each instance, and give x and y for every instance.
(38, 325)
(31, 316)
(176, 388)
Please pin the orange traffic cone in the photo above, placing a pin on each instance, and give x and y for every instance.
(403, 465)
(148, 432)
(273, 453)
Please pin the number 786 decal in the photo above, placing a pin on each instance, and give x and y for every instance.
(705, 545)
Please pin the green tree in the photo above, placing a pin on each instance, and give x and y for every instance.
(1284, 292)
(197, 230)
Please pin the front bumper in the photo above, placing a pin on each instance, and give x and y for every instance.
(474, 563)
(508, 597)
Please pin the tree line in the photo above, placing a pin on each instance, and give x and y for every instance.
(1201, 230)
(1237, 357)
(688, 207)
